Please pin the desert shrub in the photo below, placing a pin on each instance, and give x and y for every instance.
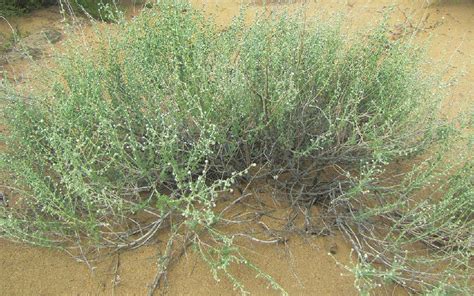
(416, 230)
(166, 111)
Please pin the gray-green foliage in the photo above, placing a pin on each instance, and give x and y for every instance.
(167, 110)
(416, 230)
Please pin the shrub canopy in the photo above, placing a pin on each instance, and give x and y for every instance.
(167, 109)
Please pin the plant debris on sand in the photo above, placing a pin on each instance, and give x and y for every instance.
(152, 126)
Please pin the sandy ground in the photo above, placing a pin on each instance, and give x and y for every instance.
(302, 265)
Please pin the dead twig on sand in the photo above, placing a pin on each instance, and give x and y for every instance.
(165, 261)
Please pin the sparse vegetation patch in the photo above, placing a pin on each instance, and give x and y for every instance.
(167, 113)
